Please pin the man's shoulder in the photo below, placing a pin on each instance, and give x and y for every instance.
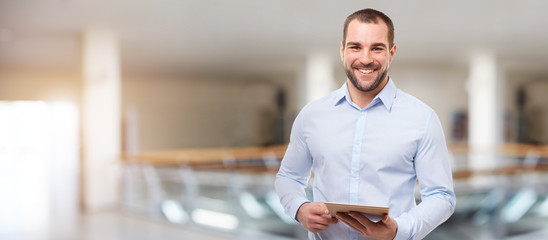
(324, 102)
(410, 102)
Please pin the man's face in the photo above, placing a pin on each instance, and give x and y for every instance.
(366, 55)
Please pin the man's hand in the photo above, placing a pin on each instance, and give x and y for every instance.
(313, 217)
(384, 229)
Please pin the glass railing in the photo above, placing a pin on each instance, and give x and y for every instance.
(508, 202)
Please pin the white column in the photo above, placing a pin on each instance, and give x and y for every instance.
(485, 89)
(317, 78)
(101, 118)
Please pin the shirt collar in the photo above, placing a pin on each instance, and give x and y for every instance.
(386, 96)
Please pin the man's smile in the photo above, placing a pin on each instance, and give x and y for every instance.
(366, 71)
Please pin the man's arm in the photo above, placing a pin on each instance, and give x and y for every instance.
(434, 174)
(294, 173)
(291, 180)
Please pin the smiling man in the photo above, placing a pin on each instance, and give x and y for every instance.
(367, 143)
(367, 52)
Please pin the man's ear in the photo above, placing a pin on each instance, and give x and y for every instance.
(392, 52)
(342, 51)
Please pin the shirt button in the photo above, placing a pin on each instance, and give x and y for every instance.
(354, 175)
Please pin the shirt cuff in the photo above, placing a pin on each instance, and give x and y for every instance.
(404, 227)
(295, 205)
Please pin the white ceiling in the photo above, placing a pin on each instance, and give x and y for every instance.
(172, 36)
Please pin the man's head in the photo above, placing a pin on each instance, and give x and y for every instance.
(369, 15)
(367, 50)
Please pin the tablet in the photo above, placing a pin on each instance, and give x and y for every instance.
(372, 212)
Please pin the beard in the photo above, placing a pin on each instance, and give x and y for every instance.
(354, 80)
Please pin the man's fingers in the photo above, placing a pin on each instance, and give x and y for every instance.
(321, 209)
(351, 222)
(324, 220)
(314, 216)
(388, 221)
(321, 223)
(363, 220)
(385, 229)
(317, 227)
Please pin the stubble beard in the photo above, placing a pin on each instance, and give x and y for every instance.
(353, 79)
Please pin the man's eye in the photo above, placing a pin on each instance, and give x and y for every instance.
(354, 47)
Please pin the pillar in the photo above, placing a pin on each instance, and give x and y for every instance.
(317, 78)
(101, 119)
(485, 89)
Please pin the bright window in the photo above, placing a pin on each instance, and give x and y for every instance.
(39, 160)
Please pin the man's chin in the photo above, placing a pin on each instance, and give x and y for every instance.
(366, 85)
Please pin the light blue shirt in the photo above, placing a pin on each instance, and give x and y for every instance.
(371, 156)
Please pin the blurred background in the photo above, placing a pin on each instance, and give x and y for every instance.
(168, 119)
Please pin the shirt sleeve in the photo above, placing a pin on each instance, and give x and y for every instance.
(294, 173)
(435, 179)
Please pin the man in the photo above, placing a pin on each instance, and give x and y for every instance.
(367, 143)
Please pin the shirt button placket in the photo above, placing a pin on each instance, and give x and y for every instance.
(356, 158)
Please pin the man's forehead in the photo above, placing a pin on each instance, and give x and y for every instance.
(356, 25)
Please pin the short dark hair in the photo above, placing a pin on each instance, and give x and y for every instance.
(369, 15)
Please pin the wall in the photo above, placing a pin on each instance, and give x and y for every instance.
(177, 112)
(535, 110)
(40, 85)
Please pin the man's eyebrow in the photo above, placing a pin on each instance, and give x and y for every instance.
(359, 44)
(378, 45)
(352, 43)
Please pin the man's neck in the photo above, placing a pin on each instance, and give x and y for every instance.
(361, 98)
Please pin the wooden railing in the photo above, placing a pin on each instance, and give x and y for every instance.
(256, 158)
(246, 158)
(512, 150)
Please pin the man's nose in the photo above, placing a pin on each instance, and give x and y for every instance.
(365, 57)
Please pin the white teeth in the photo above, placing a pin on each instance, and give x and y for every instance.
(366, 71)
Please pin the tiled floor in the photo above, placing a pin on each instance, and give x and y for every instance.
(115, 225)
(121, 226)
